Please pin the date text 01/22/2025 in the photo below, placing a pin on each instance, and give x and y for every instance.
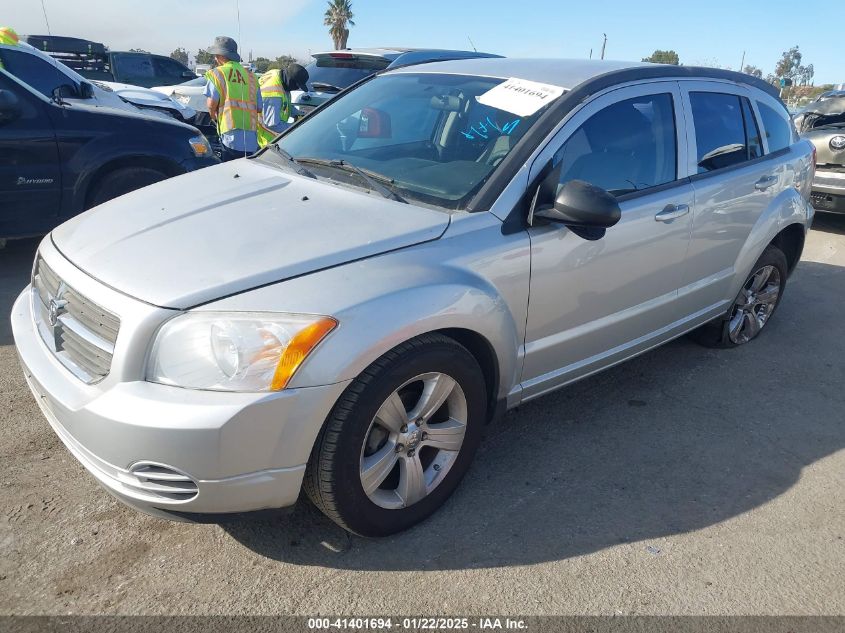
(416, 624)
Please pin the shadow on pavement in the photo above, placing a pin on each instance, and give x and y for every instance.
(829, 223)
(674, 441)
(15, 269)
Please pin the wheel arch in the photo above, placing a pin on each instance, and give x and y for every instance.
(485, 355)
(790, 241)
(164, 165)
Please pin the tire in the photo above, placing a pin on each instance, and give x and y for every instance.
(356, 435)
(737, 326)
(123, 181)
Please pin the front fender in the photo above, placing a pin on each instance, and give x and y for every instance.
(473, 278)
(371, 328)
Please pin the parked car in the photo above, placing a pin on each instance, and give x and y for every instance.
(823, 124)
(60, 155)
(345, 310)
(332, 71)
(93, 60)
(42, 71)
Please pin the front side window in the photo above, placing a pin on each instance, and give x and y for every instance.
(39, 74)
(166, 67)
(725, 131)
(628, 146)
(426, 135)
(778, 129)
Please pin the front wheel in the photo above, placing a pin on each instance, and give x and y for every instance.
(753, 307)
(400, 439)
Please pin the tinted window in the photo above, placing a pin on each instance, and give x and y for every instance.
(41, 75)
(127, 66)
(721, 135)
(328, 74)
(166, 67)
(778, 130)
(628, 146)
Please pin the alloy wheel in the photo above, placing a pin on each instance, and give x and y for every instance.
(754, 305)
(413, 440)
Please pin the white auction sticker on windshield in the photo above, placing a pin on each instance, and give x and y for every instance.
(520, 96)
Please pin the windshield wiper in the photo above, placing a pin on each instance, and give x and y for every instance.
(319, 86)
(299, 169)
(377, 181)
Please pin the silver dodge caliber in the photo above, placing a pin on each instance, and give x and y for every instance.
(345, 310)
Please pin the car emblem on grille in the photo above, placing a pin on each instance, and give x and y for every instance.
(57, 306)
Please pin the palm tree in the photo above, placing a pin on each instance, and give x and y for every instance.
(338, 15)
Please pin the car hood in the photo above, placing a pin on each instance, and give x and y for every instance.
(146, 97)
(233, 227)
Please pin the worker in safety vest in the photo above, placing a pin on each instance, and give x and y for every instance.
(9, 37)
(275, 96)
(234, 100)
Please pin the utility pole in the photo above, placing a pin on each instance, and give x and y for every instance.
(603, 45)
(742, 63)
(591, 53)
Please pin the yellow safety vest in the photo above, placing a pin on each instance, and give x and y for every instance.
(9, 37)
(238, 90)
(272, 86)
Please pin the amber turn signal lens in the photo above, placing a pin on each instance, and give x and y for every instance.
(298, 349)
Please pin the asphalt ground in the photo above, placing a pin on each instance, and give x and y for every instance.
(686, 481)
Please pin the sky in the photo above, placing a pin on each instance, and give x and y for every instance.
(709, 32)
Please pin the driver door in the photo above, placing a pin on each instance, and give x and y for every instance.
(594, 303)
(30, 172)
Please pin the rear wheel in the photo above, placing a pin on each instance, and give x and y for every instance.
(123, 181)
(757, 300)
(400, 439)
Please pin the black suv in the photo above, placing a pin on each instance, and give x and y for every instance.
(94, 61)
(58, 158)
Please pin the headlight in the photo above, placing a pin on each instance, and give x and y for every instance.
(234, 351)
(837, 143)
(200, 146)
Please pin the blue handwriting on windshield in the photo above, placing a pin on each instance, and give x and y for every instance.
(485, 129)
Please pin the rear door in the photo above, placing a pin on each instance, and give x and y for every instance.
(30, 173)
(734, 182)
(597, 302)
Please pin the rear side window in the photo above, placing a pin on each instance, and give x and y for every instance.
(778, 130)
(628, 146)
(725, 131)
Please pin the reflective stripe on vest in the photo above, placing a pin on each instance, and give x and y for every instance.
(238, 90)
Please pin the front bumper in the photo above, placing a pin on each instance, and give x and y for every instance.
(829, 191)
(234, 452)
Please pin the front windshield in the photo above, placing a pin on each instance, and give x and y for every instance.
(426, 135)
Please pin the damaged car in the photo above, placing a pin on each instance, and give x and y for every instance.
(823, 124)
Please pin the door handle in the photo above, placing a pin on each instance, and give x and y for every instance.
(765, 182)
(672, 212)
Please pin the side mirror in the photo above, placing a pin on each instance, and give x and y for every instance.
(10, 107)
(65, 91)
(86, 90)
(586, 209)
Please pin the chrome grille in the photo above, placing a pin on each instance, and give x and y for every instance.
(79, 332)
